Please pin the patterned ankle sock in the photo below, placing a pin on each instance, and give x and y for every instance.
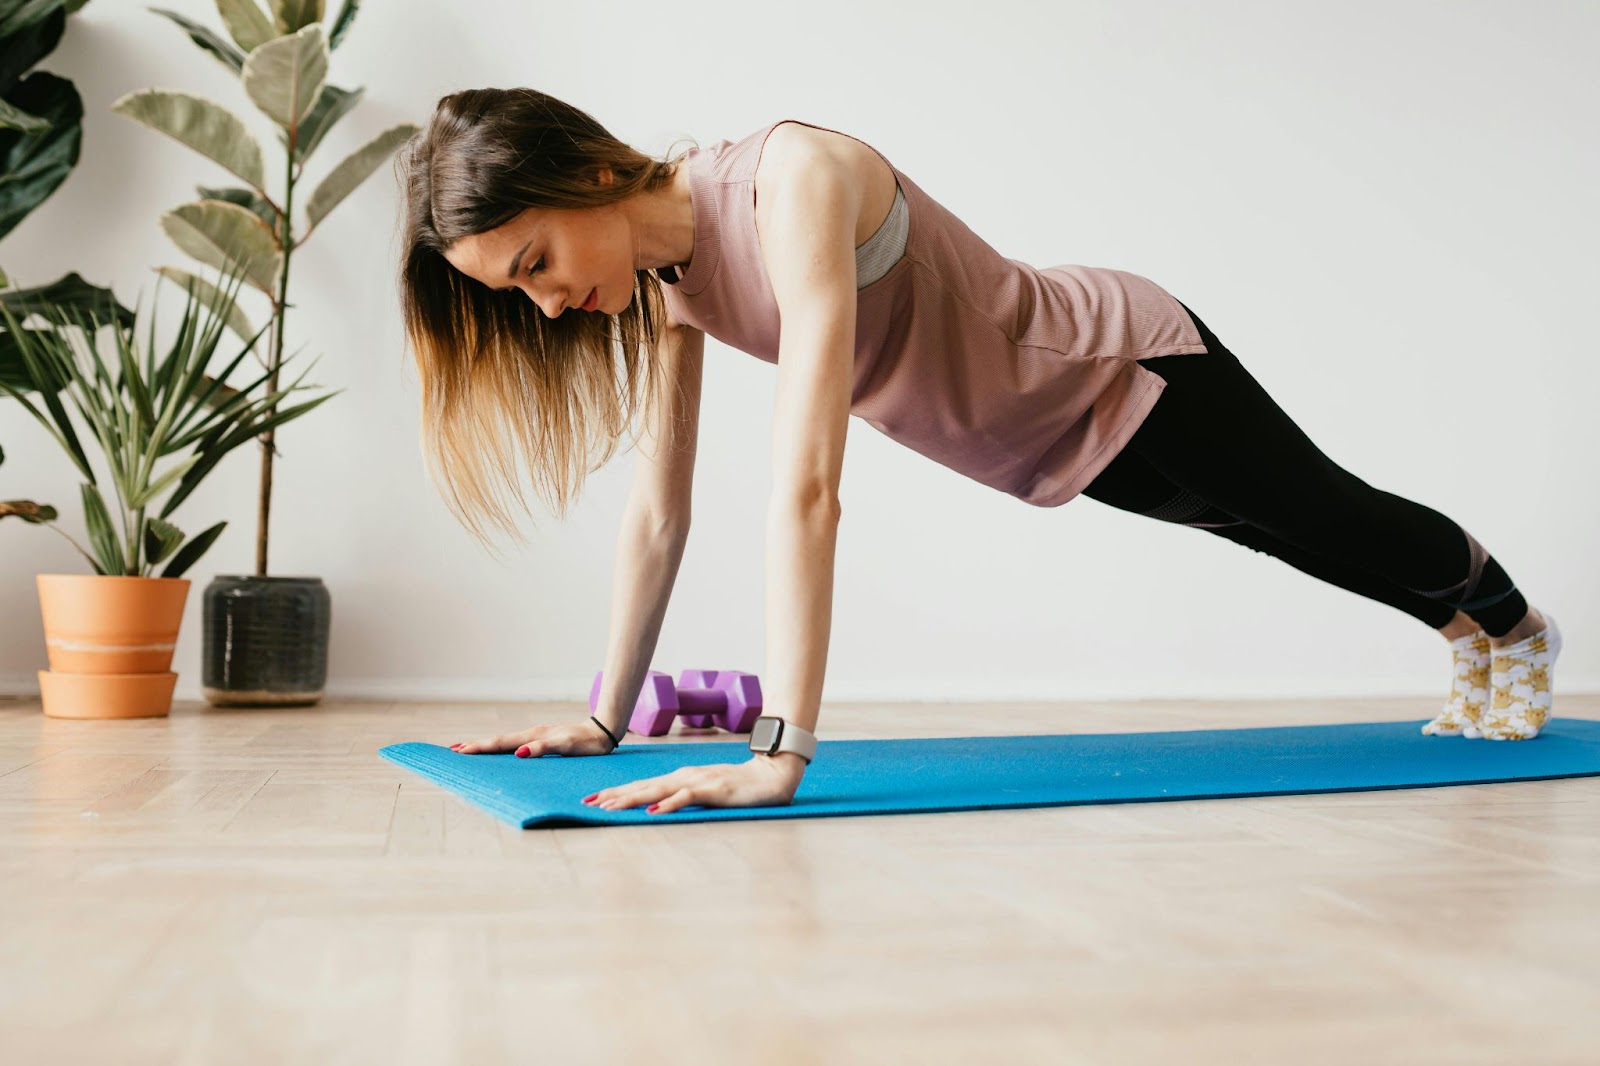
(1469, 657)
(1520, 679)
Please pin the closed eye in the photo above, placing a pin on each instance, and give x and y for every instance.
(536, 266)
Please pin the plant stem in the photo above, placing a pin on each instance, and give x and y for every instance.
(61, 532)
(280, 310)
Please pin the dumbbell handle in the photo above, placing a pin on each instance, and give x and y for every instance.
(701, 701)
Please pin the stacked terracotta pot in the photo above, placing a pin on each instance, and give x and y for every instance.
(110, 642)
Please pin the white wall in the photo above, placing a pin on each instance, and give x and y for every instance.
(1385, 209)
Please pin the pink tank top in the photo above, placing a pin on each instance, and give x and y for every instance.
(1020, 378)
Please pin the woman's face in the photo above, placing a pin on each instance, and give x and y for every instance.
(556, 257)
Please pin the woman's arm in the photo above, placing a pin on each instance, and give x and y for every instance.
(806, 213)
(807, 206)
(655, 524)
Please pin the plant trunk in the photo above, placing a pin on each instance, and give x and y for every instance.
(280, 311)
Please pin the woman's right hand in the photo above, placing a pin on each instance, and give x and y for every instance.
(583, 738)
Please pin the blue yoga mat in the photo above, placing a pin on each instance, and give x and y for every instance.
(999, 773)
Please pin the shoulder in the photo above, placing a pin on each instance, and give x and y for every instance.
(819, 163)
(792, 146)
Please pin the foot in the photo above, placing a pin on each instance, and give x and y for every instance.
(1470, 660)
(1520, 680)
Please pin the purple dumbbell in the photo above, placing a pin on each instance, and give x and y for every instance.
(729, 699)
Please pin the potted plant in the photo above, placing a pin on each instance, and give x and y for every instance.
(110, 635)
(275, 651)
(41, 134)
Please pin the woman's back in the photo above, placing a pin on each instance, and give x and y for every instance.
(1021, 378)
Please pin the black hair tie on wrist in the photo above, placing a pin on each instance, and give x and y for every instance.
(615, 742)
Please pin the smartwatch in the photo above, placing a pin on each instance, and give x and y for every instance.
(771, 735)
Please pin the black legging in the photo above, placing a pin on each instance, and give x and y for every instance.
(1218, 454)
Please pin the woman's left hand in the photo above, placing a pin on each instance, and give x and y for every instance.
(764, 781)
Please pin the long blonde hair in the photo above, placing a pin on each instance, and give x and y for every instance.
(498, 378)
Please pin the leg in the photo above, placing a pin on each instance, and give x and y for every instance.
(1130, 483)
(1217, 434)
(1255, 464)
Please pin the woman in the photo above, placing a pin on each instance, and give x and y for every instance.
(556, 283)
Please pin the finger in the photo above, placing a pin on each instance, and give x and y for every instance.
(638, 792)
(505, 742)
(679, 799)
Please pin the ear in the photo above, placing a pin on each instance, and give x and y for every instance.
(605, 176)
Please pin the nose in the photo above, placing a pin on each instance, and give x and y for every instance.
(547, 303)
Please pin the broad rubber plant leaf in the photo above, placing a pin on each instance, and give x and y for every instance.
(247, 24)
(260, 205)
(208, 39)
(218, 233)
(208, 128)
(341, 24)
(332, 105)
(355, 169)
(284, 77)
(294, 15)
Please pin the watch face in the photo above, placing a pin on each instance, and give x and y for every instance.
(764, 737)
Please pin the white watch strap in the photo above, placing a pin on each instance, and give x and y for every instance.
(797, 739)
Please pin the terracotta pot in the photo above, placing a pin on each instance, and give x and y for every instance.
(107, 695)
(110, 642)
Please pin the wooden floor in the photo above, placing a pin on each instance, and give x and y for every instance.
(261, 887)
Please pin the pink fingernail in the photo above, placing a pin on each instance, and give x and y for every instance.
(652, 808)
(522, 752)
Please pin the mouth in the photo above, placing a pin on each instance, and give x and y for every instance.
(591, 301)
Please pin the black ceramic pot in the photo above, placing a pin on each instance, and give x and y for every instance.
(266, 641)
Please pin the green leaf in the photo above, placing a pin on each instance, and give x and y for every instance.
(219, 445)
(35, 514)
(13, 118)
(193, 550)
(46, 362)
(284, 77)
(208, 128)
(247, 24)
(260, 205)
(32, 166)
(23, 50)
(161, 484)
(332, 105)
(20, 13)
(161, 539)
(66, 300)
(216, 233)
(209, 295)
(341, 25)
(208, 39)
(355, 169)
(292, 15)
(102, 535)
